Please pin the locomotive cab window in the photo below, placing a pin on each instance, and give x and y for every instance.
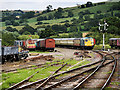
(86, 40)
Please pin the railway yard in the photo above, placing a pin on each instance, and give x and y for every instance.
(64, 45)
(68, 69)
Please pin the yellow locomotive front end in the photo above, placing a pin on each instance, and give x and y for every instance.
(89, 42)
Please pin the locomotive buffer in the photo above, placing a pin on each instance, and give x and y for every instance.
(103, 31)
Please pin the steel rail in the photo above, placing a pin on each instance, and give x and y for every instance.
(23, 81)
(66, 79)
(38, 65)
(60, 74)
(77, 87)
(113, 70)
(48, 79)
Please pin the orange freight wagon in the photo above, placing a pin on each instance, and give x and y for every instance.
(46, 44)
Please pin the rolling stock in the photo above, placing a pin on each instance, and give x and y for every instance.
(50, 43)
(29, 44)
(11, 53)
(114, 42)
(82, 43)
(36, 44)
(46, 44)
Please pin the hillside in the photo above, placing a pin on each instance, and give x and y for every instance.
(32, 21)
(113, 0)
(63, 22)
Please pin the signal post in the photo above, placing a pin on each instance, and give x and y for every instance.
(103, 31)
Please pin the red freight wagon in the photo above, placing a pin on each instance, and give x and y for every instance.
(46, 44)
(114, 42)
(29, 44)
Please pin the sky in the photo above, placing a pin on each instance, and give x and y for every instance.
(40, 4)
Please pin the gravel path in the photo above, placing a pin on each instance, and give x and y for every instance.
(61, 53)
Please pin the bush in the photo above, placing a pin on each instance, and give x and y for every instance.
(15, 24)
(64, 21)
(46, 23)
(39, 23)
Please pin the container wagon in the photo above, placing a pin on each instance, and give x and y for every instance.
(11, 53)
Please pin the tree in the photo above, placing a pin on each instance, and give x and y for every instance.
(39, 23)
(15, 24)
(116, 6)
(8, 22)
(57, 15)
(40, 18)
(86, 12)
(10, 29)
(16, 34)
(49, 8)
(7, 39)
(60, 9)
(73, 29)
(89, 4)
(45, 18)
(87, 17)
(75, 35)
(50, 16)
(117, 14)
(98, 11)
(28, 15)
(82, 6)
(26, 33)
(80, 16)
(67, 24)
(70, 14)
(59, 28)
(27, 28)
(25, 37)
(113, 30)
(46, 33)
(93, 23)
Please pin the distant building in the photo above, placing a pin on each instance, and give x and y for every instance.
(84, 34)
(17, 16)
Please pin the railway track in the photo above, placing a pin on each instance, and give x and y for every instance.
(71, 82)
(72, 79)
(39, 81)
(95, 79)
(37, 66)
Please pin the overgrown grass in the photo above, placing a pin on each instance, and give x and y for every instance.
(115, 83)
(82, 63)
(99, 47)
(38, 52)
(109, 88)
(9, 79)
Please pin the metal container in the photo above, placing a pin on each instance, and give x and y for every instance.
(9, 50)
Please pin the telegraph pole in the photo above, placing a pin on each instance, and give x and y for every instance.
(103, 31)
